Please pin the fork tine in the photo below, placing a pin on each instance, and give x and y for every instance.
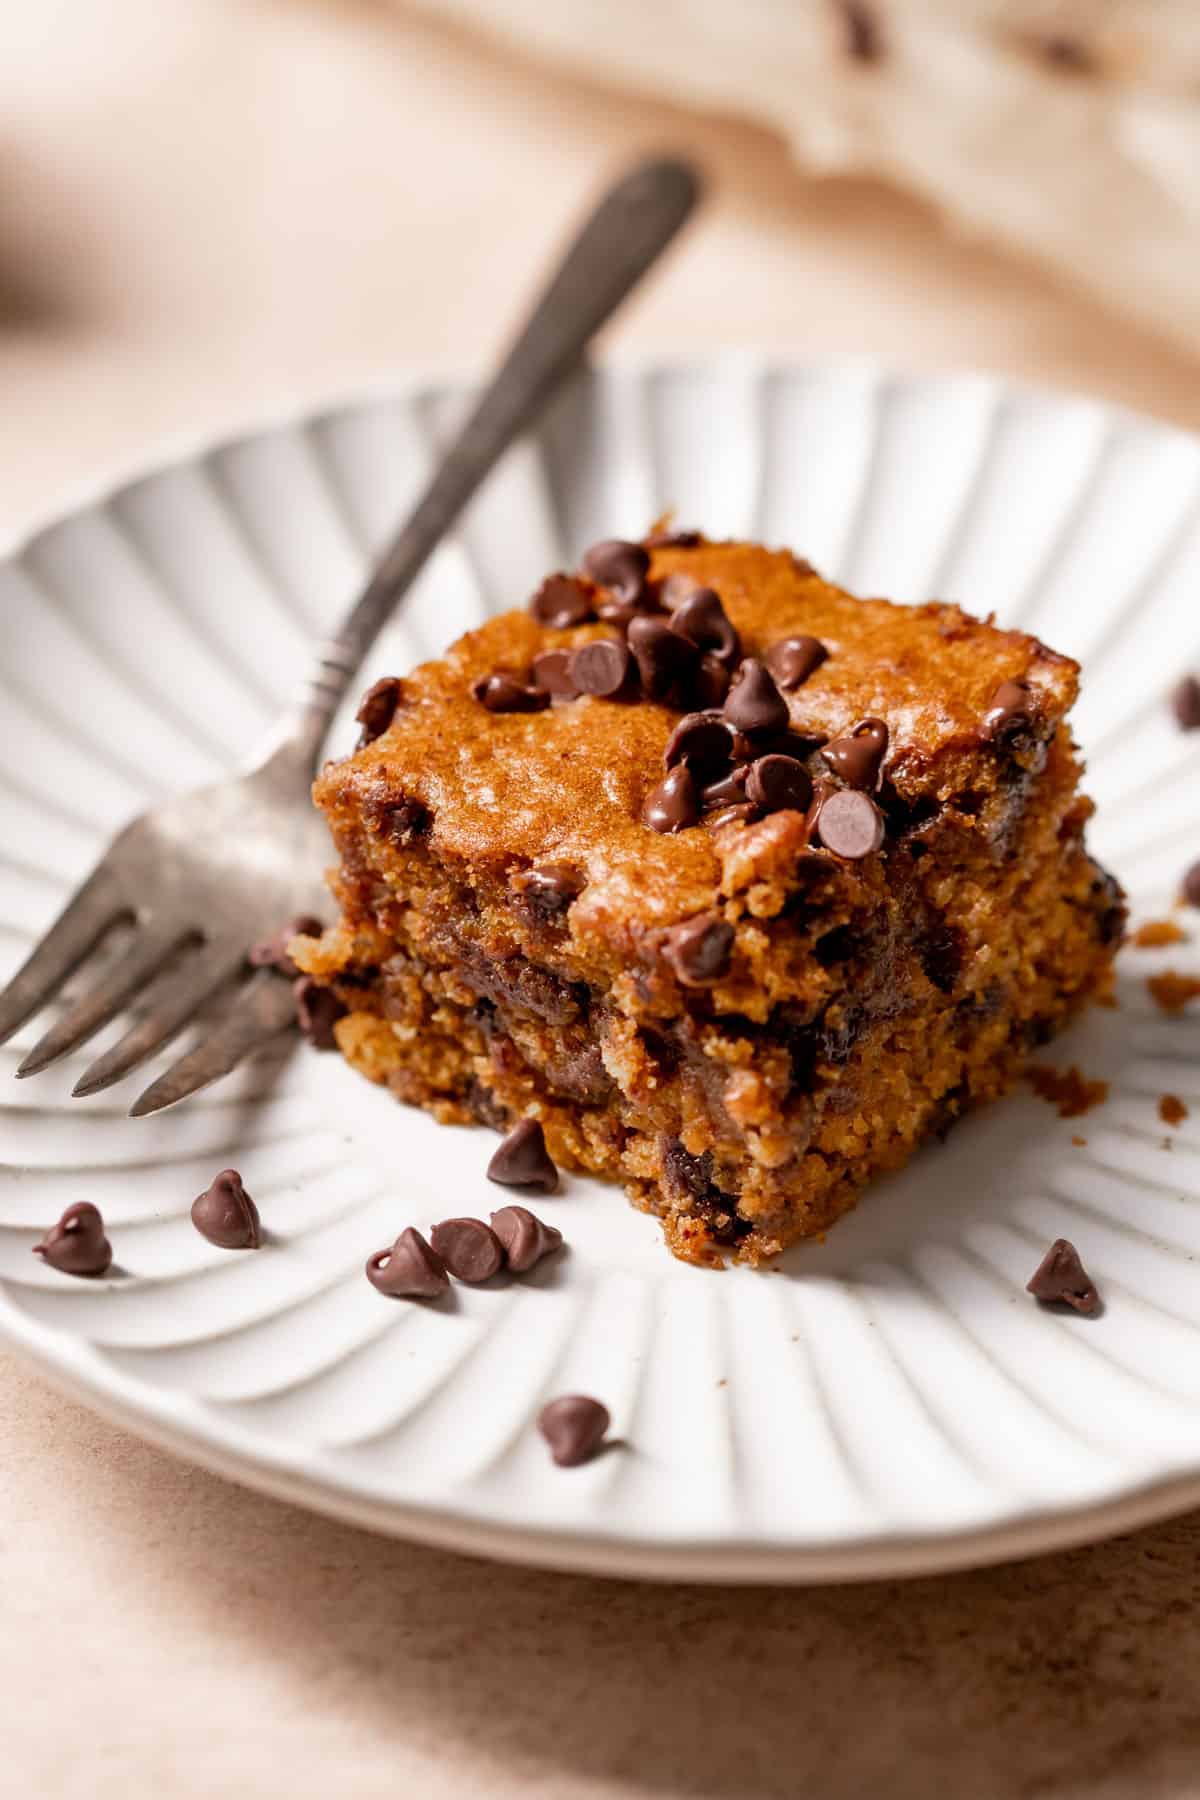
(145, 957)
(77, 930)
(173, 1001)
(263, 1009)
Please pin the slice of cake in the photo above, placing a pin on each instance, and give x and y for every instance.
(741, 885)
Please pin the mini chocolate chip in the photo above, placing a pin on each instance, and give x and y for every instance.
(549, 888)
(858, 756)
(1070, 54)
(710, 681)
(226, 1215)
(823, 788)
(410, 1270)
(77, 1244)
(672, 540)
(272, 952)
(621, 612)
(703, 619)
(1185, 703)
(552, 673)
(1191, 885)
(1008, 714)
(602, 668)
(793, 659)
(698, 949)
(850, 824)
(731, 815)
(377, 708)
(728, 789)
(318, 1010)
(561, 601)
(574, 1426)
(860, 30)
(663, 656)
(523, 1160)
(620, 566)
(777, 782)
(469, 1248)
(501, 692)
(525, 1239)
(406, 820)
(1060, 1276)
(755, 704)
(673, 805)
(674, 588)
(702, 740)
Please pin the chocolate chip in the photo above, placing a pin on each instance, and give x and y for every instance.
(674, 804)
(1061, 1277)
(850, 824)
(1191, 885)
(703, 619)
(858, 756)
(525, 1239)
(755, 704)
(727, 790)
(620, 566)
(602, 668)
(552, 673)
(793, 659)
(272, 952)
(561, 601)
(860, 30)
(1069, 54)
(501, 692)
(1008, 715)
(318, 1010)
(698, 950)
(377, 708)
(674, 588)
(574, 1426)
(672, 540)
(549, 888)
(710, 681)
(523, 1160)
(77, 1244)
(401, 823)
(702, 740)
(1185, 703)
(732, 815)
(226, 1215)
(410, 1270)
(823, 789)
(469, 1248)
(622, 612)
(663, 656)
(776, 782)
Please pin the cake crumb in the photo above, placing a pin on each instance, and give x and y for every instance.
(1078, 1141)
(1157, 932)
(1069, 1089)
(1172, 991)
(1171, 1110)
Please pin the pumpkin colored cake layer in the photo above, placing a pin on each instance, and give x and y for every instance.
(740, 885)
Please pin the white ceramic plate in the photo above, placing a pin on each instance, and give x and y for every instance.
(892, 1400)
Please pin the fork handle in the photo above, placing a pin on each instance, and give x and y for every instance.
(632, 225)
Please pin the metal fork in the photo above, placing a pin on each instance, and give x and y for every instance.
(206, 876)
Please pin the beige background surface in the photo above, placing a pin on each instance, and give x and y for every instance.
(210, 210)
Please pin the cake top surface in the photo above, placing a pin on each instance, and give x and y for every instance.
(568, 783)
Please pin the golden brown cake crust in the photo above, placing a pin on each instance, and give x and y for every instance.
(569, 783)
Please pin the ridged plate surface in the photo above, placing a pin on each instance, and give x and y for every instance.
(892, 1400)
